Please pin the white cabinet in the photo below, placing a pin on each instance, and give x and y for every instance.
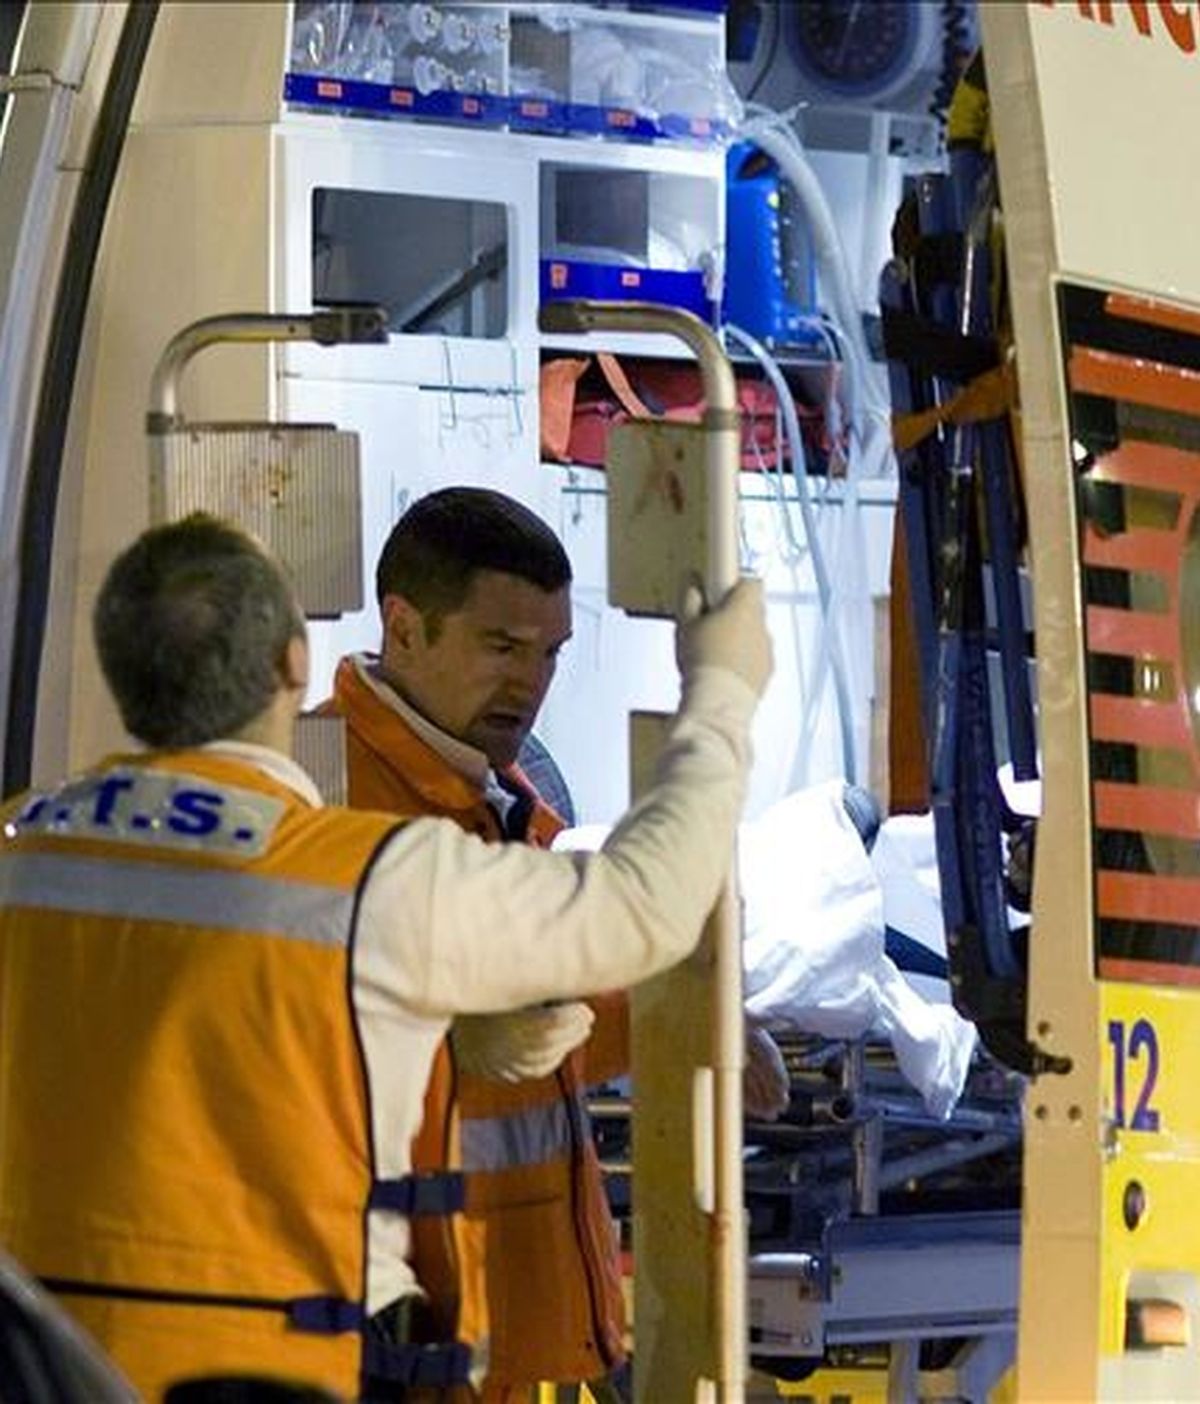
(399, 213)
(462, 221)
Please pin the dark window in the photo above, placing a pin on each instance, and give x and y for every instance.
(439, 266)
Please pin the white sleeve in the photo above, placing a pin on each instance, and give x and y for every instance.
(449, 924)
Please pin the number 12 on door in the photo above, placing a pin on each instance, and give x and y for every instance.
(1135, 1074)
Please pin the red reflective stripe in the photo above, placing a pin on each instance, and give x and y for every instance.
(1157, 466)
(1142, 549)
(1146, 897)
(1149, 972)
(1147, 809)
(1140, 722)
(1137, 382)
(1133, 632)
(1152, 312)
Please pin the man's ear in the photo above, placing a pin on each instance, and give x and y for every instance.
(294, 665)
(403, 626)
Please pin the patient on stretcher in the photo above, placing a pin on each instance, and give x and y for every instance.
(826, 889)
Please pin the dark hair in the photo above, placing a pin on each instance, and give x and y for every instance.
(191, 625)
(443, 540)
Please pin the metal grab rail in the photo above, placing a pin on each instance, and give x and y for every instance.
(329, 328)
(726, 1216)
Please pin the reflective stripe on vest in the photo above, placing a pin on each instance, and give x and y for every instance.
(230, 900)
(531, 1136)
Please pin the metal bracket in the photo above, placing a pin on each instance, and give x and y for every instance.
(36, 81)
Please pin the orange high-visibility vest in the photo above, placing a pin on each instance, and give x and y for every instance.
(185, 1153)
(532, 1266)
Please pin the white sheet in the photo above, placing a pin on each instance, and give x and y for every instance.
(815, 907)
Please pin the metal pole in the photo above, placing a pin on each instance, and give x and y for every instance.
(727, 1217)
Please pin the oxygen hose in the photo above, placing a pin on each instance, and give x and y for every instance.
(829, 635)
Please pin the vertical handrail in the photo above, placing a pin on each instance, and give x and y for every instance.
(727, 1263)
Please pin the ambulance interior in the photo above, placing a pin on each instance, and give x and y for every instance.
(462, 166)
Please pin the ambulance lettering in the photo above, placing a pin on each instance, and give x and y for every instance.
(1177, 18)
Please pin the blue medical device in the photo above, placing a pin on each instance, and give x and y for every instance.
(770, 277)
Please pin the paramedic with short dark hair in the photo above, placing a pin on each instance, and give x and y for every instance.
(474, 594)
(221, 1000)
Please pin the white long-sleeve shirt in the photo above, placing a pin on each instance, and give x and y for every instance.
(450, 925)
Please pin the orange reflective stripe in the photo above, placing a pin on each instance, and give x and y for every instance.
(1148, 809)
(1152, 312)
(1159, 467)
(1132, 632)
(1148, 897)
(1139, 721)
(1136, 382)
(1140, 548)
(1148, 972)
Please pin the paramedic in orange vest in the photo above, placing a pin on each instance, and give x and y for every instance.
(474, 591)
(221, 1001)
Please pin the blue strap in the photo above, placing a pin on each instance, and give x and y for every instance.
(324, 1316)
(437, 1192)
(910, 955)
(432, 1366)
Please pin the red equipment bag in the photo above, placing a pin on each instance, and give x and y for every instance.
(582, 399)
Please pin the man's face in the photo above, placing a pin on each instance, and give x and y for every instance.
(483, 675)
